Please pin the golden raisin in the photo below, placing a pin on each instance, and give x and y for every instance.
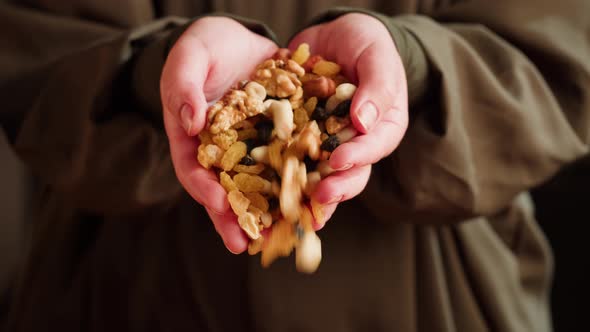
(253, 169)
(301, 54)
(238, 202)
(310, 105)
(226, 182)
(326, 68)
(257, 200)
(251, 183)
(248, 133)
(233, 155)
(300, 118)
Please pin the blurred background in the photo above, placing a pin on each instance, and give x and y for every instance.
(562, 210)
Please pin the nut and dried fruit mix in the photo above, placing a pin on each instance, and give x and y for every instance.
(269, 140)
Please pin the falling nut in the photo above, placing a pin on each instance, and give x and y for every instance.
(282, 115)
(290, 190)
(308, 254)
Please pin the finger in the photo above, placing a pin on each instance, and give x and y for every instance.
(377, 144)
(309, 36)
(227, 227)
(181, 85)
(382, 86)
(342, 186)
(200, 183)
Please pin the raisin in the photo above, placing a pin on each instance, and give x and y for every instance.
(264, 129)
(319, 114)
(310, 164)
(342, 109)
(273, 203)
(251, 143)
(248, 161)
(330, 144)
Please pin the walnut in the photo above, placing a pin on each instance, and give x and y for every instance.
(209, 155)
(277, 81)
(226, 138)
(233, 108)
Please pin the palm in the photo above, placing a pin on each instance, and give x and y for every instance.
(206, 61)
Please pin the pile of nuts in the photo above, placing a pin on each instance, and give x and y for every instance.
(269, 140)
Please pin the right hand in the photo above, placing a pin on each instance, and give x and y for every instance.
(209, 57)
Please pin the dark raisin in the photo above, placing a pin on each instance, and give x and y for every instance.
(330, 144)
(251, 143)
(273, 203)
(321, 103)
(248, 161)
(319, 114)
(342, 109)
(310, 164)
(264, 129)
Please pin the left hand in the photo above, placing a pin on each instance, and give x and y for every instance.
(364, 49)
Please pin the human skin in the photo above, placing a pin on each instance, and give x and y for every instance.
(209, 57)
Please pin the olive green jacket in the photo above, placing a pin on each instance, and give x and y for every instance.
(444, 237)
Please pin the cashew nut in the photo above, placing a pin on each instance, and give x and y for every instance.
(308, 253)
(282, 115)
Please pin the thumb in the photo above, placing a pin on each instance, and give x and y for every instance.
(381, 87)
(181, 84)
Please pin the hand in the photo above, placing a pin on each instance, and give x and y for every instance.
(209, 57)
(379, 111)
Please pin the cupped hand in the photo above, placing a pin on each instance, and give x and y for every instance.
(379, 111)
(209, 57)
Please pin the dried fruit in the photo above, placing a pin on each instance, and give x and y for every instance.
(247, 161)
(226, 182)
(320, 114)
(330, 144)
(280, 242)
(270, 156)
(274, 154)
(258, 201)
(233, 155)
(343, 109)
(255, 246)
(225, 138)
(335, 124)
(209, 155)
(301, 54)
(310, 105)
(264, 130)
(326, 68)
(251, 183)
(245, 134)
(238, 202)
(252, 169)
(310, 63)
(249, 224)
(300, 118)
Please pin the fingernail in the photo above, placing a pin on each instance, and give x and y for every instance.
(186, 118)
(367, 116)
(344, 167)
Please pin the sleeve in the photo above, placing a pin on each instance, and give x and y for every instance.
(81, 107)
(499, 102)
